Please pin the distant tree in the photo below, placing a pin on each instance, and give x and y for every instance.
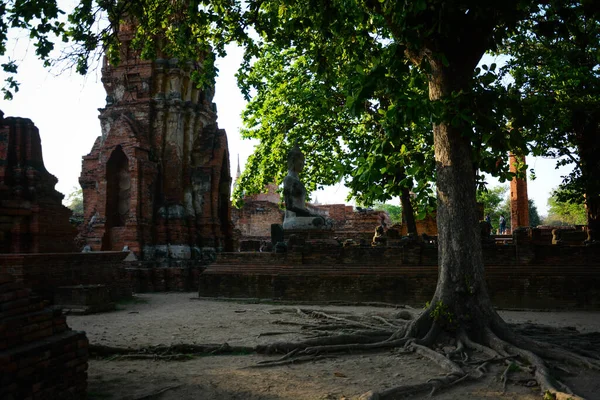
(74, 202)
(564, 212)
(534, 216)
(494, 202)
(395, 212)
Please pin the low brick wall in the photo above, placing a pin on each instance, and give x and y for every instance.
(149, 277)
(40, 357)
(525, 276)
(43, 273)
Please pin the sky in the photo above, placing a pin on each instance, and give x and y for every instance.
(64, 107)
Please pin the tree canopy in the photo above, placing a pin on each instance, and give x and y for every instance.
(561, 212)
(555, 63)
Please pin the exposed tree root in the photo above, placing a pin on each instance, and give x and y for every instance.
(465, 354)
(289, 361)
(157, 392)
(495, 340)
(174, 352)
(276, 333)
(541, 372)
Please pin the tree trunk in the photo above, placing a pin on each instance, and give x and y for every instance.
(408, 213)
(592, 205)
(461, 295)
(588, 144)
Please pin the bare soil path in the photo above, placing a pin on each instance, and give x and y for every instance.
(180, 318)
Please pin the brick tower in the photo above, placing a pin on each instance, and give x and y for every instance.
(519, 201)
(158, 178)
(32, 217)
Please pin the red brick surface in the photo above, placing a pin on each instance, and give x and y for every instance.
(159, 174)
(525, 275)
(32, 217)
(519, 201)
(40, 357)
(43, 273)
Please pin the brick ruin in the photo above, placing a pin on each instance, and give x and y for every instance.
(40, 357)
(157, 180)
(259, 212)
(32, 217)
(529, 273)
(519, 201)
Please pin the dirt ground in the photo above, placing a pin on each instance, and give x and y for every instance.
(176, 318)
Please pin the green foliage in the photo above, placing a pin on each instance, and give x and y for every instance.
(534, 216)
(344, 88)
(494, 204)
(565, 212)
(370, 143)
(74, 201)
(41, 19)
(189, 31)
(440, 313)
(395, 212)
(555, 64)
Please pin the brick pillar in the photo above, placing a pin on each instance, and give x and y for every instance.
(519, 202)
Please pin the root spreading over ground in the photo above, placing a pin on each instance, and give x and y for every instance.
(532, 355)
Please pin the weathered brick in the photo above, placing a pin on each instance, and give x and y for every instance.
(38, 220)
(191, 195)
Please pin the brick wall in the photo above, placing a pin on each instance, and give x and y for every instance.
(150, 277)
(44, 272)
(40, 357)
(527, 276)
(427, 225)
(255, 218)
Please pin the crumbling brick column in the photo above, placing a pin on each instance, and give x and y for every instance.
(519, 201)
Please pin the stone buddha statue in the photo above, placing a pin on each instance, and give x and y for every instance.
(297, 215)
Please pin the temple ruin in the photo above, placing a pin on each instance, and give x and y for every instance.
(33, 219)
(157, 180)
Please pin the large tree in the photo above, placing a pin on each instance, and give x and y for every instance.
(444, 40)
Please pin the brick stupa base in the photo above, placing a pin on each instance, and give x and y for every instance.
(40, 357)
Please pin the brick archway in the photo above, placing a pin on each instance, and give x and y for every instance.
(118, 198)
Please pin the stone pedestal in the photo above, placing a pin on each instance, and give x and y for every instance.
(309, 234)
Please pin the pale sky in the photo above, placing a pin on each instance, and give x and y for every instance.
(64, 107)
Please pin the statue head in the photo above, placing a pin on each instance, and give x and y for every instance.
(295, 159)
